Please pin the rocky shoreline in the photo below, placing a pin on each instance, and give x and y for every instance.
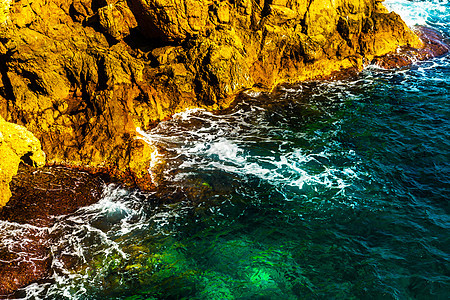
(80, 76)
(60, 191)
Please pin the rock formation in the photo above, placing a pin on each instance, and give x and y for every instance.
(82, 75)
(16, 144)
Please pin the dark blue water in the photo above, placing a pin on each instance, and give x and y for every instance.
(321, 190)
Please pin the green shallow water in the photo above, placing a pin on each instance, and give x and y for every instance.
(322, 190)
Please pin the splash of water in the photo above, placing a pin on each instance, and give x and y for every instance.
(434, 13)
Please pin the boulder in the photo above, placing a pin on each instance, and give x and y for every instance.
(17, 145)
(117, 20)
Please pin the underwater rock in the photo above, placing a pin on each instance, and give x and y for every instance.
(17, 145)
(25, 259)
(83, 75)
(26, 221)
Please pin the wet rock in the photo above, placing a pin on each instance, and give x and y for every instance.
(60, 191)
(434, 47)
(24, 256)
(39, 196)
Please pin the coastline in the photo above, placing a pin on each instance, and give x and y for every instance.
(86, 118)
(83, 78)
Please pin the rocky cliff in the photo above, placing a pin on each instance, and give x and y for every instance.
(82, 75)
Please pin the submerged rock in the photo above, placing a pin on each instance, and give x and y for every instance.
(24, 259)
(82, 75)
(39, 196)
(434, 47)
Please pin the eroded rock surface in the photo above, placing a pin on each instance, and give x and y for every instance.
(82, 75)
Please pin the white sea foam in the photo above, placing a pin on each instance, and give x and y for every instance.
(252, 93)
(16, 238)
(197, 141)
(419, 12)
(226, 151)
(91, 234)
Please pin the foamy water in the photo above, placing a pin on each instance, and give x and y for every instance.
(433, 13)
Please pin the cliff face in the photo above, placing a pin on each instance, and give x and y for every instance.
(83, 74)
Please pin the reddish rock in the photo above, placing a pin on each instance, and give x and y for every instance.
(404, 56)
(25, 258)
(38, 196)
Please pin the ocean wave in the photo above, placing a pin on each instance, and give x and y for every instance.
(434, 12)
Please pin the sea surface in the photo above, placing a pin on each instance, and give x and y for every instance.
(320, 190)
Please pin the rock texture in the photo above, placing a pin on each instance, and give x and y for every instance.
(16, 144)
(82, 75)
(26, 257)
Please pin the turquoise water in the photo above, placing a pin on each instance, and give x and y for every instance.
(321, 190)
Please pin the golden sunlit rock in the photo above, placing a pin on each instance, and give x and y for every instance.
(16, 144)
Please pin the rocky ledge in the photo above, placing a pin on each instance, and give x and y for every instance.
(82, 75)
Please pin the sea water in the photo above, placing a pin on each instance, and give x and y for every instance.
(320, 190)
